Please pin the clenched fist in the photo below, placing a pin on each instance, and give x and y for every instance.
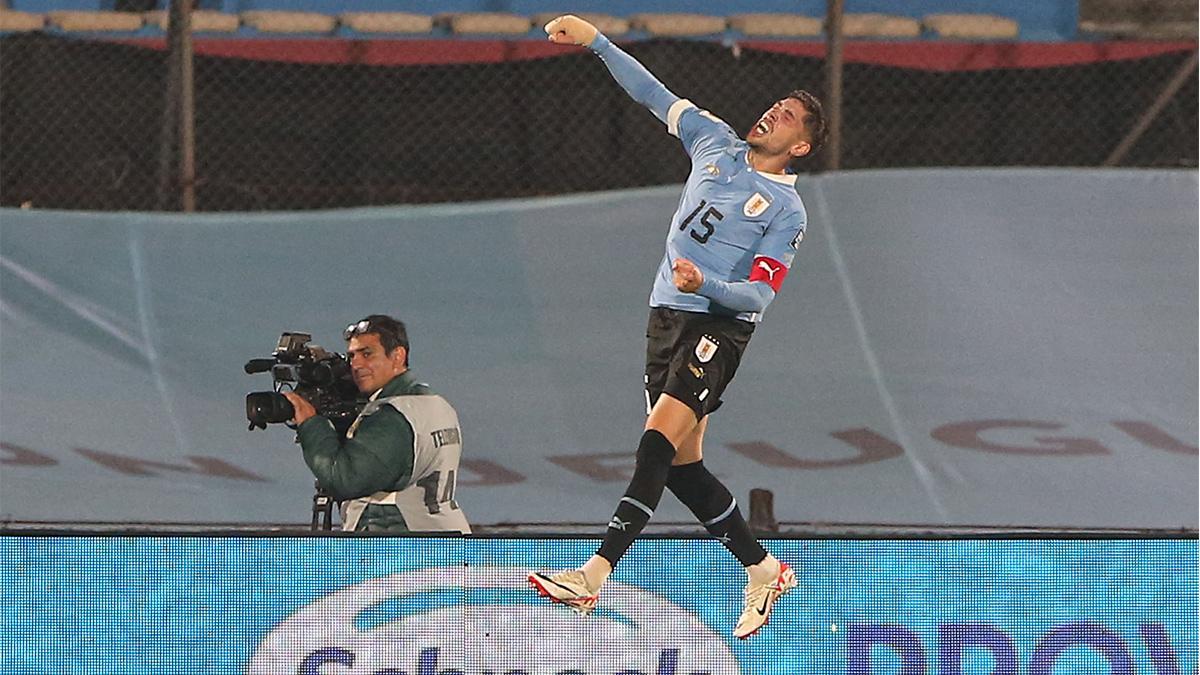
(571, 30)
(686, 275)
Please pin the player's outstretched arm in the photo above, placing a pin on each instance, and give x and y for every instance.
(633, 77)
(752, 295)
(741, 296)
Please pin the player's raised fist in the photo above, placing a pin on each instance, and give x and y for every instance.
(569, 29)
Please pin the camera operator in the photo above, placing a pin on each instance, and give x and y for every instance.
(395, 470)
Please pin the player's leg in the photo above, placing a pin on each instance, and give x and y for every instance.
(713, 505)
(714, 361)
(673, 410)
(669, 422)
(714, 349)
(711, 502)
(691, 449)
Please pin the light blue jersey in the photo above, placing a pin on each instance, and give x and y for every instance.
(741, 227)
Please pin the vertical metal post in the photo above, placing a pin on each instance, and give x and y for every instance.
(170, 112)
(178, 125)
(187, 111)
(833, 82)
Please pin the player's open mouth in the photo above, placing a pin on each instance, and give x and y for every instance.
(762, 127)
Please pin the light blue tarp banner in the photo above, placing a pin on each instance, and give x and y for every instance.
(982, 347)
(461, 607)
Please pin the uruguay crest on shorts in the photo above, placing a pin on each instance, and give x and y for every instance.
(706, 348)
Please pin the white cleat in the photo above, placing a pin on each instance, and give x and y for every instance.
(760, 599)
(566, 588)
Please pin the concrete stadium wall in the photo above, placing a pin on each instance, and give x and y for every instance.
(991, 347)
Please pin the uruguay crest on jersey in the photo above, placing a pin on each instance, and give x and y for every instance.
(756, 205)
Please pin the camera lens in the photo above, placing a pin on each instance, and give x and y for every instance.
(268, 407)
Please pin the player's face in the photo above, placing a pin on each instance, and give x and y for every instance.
(371, 366)
(781, 130)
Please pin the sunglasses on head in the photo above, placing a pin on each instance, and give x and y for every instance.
(365, 326)
(357, 328)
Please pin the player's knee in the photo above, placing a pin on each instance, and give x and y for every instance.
(655, 448)
(683, 478)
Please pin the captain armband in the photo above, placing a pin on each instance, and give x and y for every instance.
(768, 270)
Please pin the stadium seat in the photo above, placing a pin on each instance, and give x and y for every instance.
(477, 23)
(1135, 30)
(971, 27)
(269, 21)
(776, 25)
(203, 21)
(112, 22)
(605, 23)
(1145, 20)
(678, 25)
(387, 22)
(47, 6)
(880, 26)
(1138, 30)
(19, 22)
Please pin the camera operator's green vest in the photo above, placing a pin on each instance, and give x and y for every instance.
(427, 503)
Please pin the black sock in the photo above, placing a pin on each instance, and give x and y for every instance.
(654, 455)
(711, 503)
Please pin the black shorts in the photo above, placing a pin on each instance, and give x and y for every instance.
(692, 356)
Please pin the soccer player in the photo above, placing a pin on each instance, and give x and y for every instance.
(731, 243)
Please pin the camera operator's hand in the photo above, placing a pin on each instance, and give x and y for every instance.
(304, 409)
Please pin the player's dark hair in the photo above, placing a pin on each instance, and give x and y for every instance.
(814, 119)
(391, 332)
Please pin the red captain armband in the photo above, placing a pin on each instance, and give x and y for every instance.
(769, 270)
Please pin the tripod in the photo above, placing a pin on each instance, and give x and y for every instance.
(322, 509)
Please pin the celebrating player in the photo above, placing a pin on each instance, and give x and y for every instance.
(731, 243)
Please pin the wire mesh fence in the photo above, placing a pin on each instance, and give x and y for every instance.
(83, 122)
(80, 123)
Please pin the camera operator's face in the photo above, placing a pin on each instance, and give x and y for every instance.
(371, 366)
